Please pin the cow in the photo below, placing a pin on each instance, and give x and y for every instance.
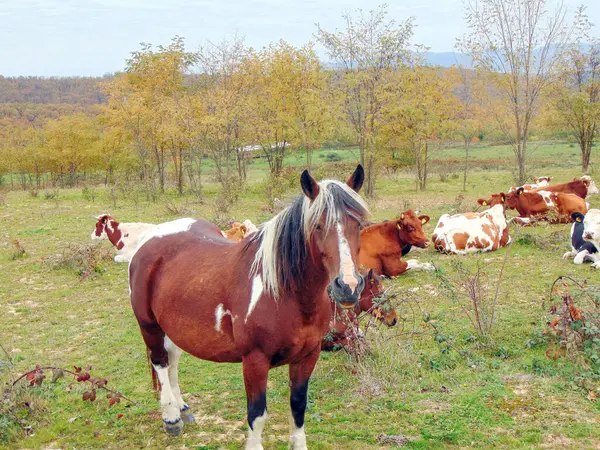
(555, 207)
(236, 233)
(579, 186)
(538, 182)
(581, 250)
(338, 335)
(382, 245)
(250, 227)
(472, 232)
(591, 230)
(125, 236)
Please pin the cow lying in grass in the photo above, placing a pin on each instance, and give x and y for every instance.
(538, 182)
(383, 244)
(472, 232)
(341, 320)
(591, 230)
(581, 250)
(126, 236)
(554, 207)
(582, 187)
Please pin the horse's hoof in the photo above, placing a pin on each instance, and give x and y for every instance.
(173, 428)
(187, 416)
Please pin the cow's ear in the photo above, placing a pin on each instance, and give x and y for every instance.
(579, 219)
(370, 275)
(399, 225)
(520, 190)
(502, 197)
(482, 202)
(104, 219)
(402, 216)
(424, 219)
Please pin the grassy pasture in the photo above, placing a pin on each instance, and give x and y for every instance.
(446, 389)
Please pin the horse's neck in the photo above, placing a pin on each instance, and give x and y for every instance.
(314, 291)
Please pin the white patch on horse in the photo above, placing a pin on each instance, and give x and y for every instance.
(347, 269)
(255, 293)
(297, 436)
(220, 313)
(254, 441)
(168, 402)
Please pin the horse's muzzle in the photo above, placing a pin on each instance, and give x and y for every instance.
(343, 294)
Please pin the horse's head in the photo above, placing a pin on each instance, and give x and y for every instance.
(333, 215)
(374, 290)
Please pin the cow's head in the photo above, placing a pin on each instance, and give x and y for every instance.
(512, 200)
(591, 226)
(589, 183)
(410, 229)
(236, 233)
(577, 217)
(102, 224)
(495, 199)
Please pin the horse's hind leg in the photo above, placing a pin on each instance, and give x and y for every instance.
(174, 353)
(159, 356)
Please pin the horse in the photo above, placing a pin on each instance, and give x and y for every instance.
(339, 321)
(260, 301)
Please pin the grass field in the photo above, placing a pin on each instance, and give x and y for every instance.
(434, 381)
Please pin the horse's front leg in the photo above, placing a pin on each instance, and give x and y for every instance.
(256, 371)
(299, 375)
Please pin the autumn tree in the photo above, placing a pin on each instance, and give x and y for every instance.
(370, 46)
(576, 98)
(288, 102)
(417, 111)
(519, 44)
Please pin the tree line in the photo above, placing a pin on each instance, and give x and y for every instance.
(170, 109)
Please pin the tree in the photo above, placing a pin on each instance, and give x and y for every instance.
(469, 113)
(576, 98)
(370, 47)
(418, 105)
(519, 44)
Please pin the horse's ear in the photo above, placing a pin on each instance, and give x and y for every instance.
(424, 219)
(309, 185)
(357, 178)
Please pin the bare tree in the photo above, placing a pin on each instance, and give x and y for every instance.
(519, 43)
(369, 47)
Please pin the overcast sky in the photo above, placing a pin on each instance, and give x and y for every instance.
(93, 37)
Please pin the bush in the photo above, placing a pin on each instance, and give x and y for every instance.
(332, 157)
(86, 260)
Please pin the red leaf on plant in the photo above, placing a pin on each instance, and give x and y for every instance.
(86, 396)
(96, 434)
(77, 369)
(88, 421)
(88, 368)
(119, 415)
(93, 395)
(30, 376)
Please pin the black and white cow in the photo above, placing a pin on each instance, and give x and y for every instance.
(581, 250)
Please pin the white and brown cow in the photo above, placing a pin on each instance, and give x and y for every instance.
(124, 236)
(472, 232)
(554, 207)
(538, 182)
(581, 250)
(591, 230)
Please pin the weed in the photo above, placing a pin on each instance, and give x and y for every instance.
(89, 194)
(51, 195)
(86, 260)
(18, 250)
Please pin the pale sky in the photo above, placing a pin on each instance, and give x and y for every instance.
(93, 37)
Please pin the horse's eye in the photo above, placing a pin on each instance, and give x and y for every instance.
(318, 227)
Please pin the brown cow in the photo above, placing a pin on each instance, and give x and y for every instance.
(579, 186)
(383, 244)
(236, 233)
(337, 336)
(556, 207)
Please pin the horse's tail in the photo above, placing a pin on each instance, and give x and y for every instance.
(155, 384)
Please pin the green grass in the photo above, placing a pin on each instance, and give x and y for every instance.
(449, 392)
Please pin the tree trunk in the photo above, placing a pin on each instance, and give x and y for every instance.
(586, 153)
(467, 145)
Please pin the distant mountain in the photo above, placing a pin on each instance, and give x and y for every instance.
(447, 59)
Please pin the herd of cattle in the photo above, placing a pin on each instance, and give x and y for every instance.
(384, 244)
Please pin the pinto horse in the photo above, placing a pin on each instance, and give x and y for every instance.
(266, 309)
